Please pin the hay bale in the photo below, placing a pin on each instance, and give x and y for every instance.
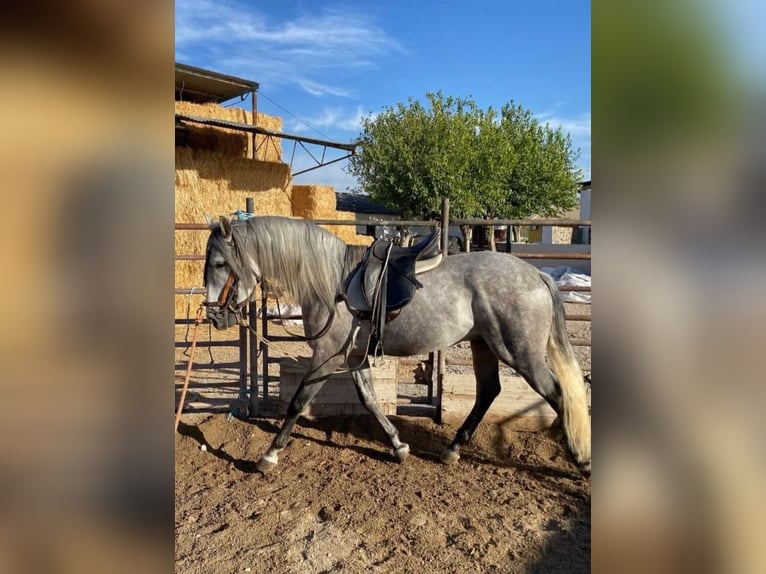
(347, 232)
(230, 142)
(314, 201)
(208, 182)
(319, 202)
(214, 184)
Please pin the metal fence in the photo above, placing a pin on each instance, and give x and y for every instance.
(253, 397)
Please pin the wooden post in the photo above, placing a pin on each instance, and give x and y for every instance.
(441, 354)
(252, 317)
(508, 238)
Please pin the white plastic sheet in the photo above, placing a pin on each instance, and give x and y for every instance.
(288, 310)
(570, 277)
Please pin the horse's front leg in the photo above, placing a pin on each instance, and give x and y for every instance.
(366, 392)
(310, 385)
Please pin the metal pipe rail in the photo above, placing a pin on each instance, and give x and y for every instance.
(417, 223)
(520, 255)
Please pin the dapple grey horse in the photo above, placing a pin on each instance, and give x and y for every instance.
(505, 308)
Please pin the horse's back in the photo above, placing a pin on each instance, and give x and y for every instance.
(487, 268)
(467, 292)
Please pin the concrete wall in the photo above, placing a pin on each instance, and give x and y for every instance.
(518, 406)
(338, 395)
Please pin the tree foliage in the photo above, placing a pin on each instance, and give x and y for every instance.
(488, 164)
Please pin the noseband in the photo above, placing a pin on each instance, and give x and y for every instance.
(226, 300)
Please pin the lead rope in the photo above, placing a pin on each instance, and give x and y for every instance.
(243, 322)
(188, 322)
(188, 368)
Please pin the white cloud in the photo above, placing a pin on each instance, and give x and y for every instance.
(319, 89)
(330, 118)
(578, 127)
(306, 51)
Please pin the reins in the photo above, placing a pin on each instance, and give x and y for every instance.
(320, 334)
(243, 322)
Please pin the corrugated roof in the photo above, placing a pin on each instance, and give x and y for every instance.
(205, 86)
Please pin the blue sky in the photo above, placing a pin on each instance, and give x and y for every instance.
(327, 64)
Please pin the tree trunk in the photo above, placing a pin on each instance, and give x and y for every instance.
(467, 235)
(516, 233)
(490, 231)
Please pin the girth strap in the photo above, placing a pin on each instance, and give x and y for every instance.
(379, 305)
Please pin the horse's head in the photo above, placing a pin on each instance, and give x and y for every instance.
(228, 278)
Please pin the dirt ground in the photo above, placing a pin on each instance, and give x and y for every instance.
(337, 501)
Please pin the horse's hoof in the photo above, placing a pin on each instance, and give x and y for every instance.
(584, 469)
(449, 456)
(402, 452)
(265, 465)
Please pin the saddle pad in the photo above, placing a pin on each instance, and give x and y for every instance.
(354, 296)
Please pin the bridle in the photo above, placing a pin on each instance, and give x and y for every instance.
(227, 301)
(227, 297)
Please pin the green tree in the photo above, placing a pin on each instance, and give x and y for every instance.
(532, 168)
(487, 164)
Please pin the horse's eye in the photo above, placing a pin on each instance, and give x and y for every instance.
(219, 265)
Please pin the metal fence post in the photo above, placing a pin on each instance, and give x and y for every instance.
(264, 350)
(441, 354)
(252, 317)
(242, 408)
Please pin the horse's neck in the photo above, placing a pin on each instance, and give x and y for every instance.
(311, 302)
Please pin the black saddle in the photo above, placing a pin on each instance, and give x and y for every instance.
(385, 280)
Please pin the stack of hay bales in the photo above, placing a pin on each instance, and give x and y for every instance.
(231, 142)
(214, 184)
(215, 174)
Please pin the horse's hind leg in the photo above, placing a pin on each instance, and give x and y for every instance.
(366, 392)
(310, 385)
(532, 366)
(487, 371)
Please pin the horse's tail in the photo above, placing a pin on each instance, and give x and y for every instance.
(563, 363)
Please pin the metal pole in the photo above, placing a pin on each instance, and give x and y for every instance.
(241, 407)
(431, 365)
(252, 317)
(508, 238)
(254, 104)
(263, 348)
(441, 354)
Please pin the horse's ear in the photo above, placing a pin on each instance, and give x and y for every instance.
(225, 227)
(209, 220)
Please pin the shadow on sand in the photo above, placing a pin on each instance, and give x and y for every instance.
(425, 443)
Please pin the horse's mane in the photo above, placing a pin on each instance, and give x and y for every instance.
(305, 260)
